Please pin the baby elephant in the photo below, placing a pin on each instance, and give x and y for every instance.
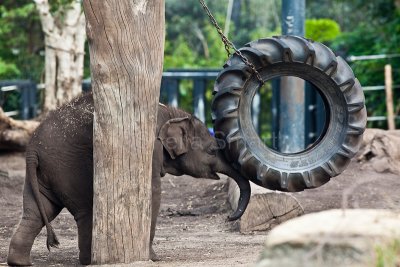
(59, 171)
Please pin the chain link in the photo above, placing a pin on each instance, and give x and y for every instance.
(228, 44)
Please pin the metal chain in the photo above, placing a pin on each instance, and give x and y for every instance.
(228, 44)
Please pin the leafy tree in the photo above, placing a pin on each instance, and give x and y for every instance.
(8, 70)
(191, 34)
(21, 41)
(350, 27)
(380, 34)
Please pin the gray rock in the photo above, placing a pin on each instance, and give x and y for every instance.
(360, 237)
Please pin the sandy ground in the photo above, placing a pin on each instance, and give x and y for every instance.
(192, 228)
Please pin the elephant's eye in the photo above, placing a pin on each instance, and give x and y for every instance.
(212, 150)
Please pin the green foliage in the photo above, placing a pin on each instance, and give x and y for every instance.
(11, 101)
(179, 54)
(59, 5)
(58, 8)
(350, 27)
(193, 42)
(258, 19)
(21, 41)
(322, 30)
(380, 34)
(265, 119)
(8, 70)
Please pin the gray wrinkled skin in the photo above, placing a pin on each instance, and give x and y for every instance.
(59, 168)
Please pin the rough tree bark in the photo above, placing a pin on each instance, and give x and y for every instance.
(64, 52)
(126, 44)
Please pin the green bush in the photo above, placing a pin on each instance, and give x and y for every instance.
(8, 70)
(322, 30)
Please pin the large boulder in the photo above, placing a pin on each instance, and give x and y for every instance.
(360, 237)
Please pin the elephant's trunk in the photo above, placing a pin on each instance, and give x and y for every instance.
(244, 186)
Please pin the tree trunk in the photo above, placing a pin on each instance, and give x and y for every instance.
(65, 42)
(126, 42)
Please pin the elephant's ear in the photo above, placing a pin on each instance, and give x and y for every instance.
(174, 135)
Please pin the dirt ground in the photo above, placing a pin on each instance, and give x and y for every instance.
(192, 228)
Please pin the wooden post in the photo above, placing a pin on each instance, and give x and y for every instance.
(389, 97)
(126, 44)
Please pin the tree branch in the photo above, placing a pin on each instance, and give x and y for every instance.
(14, 134)
(47, 19)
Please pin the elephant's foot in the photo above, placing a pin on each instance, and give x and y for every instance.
(83, 220)
(15, 260)
(84, 258)
(153, 255)
(19, 253)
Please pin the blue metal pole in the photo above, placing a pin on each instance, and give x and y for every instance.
(32, 99)
(173, 92)
(293, 17)
(292, 108)
(24, 90)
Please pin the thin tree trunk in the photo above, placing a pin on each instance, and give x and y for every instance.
(126, 42)
(64, 41)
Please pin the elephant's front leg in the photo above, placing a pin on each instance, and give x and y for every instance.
(157, 164)
(29, 227)
(155, 208)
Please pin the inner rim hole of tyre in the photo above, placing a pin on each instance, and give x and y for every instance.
(272, 128)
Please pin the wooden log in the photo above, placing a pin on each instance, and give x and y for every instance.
(266, 209)
(126, 44)
(15, 134)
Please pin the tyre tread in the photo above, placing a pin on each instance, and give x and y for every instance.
(268, 52)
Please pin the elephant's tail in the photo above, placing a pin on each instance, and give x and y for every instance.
(32, 162)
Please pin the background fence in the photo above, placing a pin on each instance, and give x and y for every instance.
(383, 100)
(191, 90)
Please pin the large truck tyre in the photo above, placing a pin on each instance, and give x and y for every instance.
(344, 103)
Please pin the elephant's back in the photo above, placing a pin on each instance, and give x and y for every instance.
(69, 125)
(64, 145)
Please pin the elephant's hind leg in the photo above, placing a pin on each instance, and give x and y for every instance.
(29, 227)
(84, 222)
